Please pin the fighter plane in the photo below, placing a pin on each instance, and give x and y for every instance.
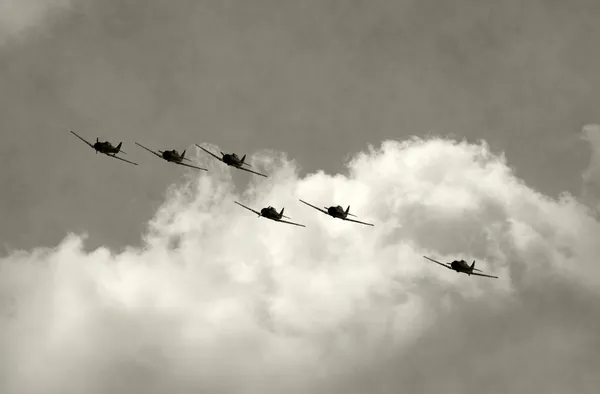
(271, 213)
(172, 156)
(105, 147)
(231, 159)
(338, 212)
(462, 266)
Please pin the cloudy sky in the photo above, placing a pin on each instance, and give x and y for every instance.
(147, 279)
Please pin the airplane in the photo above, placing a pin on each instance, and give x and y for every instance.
(232, 160)
(172, 156)
(105, 147)
(462, 266)
(338, 213)
(271, 213)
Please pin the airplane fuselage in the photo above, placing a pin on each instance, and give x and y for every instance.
(270, 213)
(172, 155)
(232, 160)
(105, 147)
(337, 212)
(461, 266)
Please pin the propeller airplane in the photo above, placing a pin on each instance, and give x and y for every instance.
(337, 212)
(231, 159)
(105, 147)
(172, 156)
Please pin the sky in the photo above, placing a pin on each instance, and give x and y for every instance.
(316, 79)
(462, 131)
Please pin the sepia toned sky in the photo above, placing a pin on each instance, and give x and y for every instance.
(149, 279)
(316, 79)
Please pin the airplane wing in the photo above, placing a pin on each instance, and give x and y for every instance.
(149, 150)
(250, 209)
(254, 172)
(319, 209)
(487, 276)
(295, 224)
(437, 262)
(120, 158)
(356, 221)
(81, 138)
(191, 166)
(209, 152)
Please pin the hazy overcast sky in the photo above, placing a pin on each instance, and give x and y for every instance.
(316, 79)
(218, 300)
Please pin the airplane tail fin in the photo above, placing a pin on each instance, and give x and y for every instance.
(183, 156)
(242, 162)
(348, 212)
(119, 148)
(473, 267)
(282, 215)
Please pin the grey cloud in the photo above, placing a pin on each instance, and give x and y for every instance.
(591, 175)
(316, 79)
(23, 19)
(209, 298)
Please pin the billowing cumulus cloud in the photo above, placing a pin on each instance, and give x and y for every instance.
(219, 300)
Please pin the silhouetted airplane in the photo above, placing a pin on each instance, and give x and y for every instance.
(106, 148)
(338, 213)
(232, 160)
(270, 213)
(172, 156)
(462, 266)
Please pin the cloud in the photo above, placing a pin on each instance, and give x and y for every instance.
(219, 300)
(591, 176)
(20, 16)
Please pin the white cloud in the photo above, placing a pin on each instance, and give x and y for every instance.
(222, 301)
